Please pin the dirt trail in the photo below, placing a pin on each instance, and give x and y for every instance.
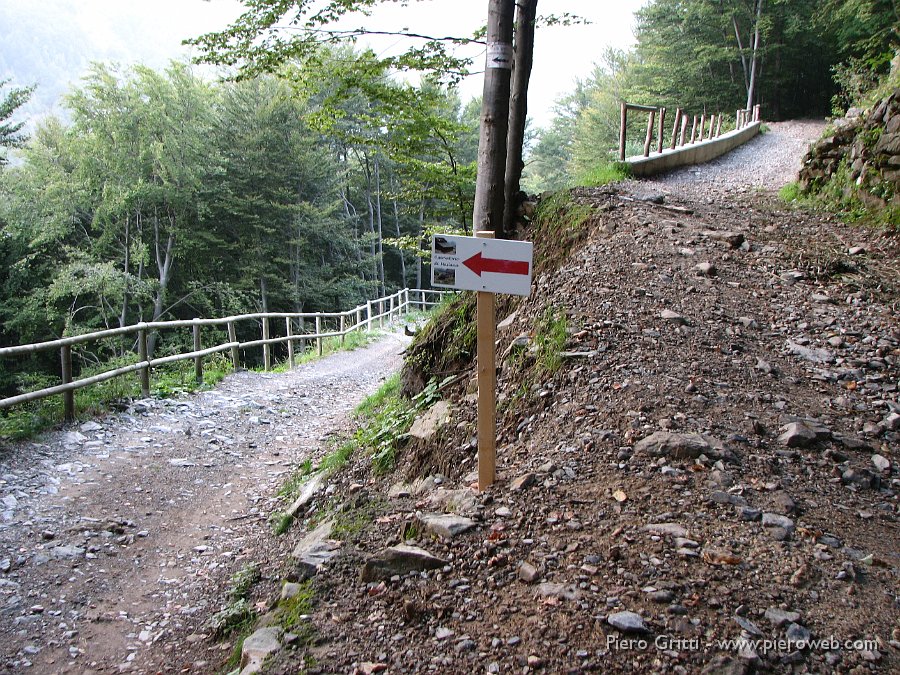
(112, 530)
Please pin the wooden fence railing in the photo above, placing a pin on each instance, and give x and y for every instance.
(341, 323)
(699, 131)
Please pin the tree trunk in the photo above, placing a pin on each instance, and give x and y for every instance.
(488, 211)
(751, 89)
(380, 229)
(518, 110)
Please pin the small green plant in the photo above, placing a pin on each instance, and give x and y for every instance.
(604, 174)
(790, 193)
(550, 339)
(291, 612)
(236, 616)
(243, 580)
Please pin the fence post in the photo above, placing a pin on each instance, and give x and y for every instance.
(235, 351)
(142, 356)
(684, 120)
(675, 128)
(289, 326)
(65, 357)
(359, 320)
(702, 126)
(422, 299)
(267, 353)
(390, 309)
(662, 123)
(694, 129)
(343, 328)
(623, 122)
(318, 338)
(649, 138)
(198, 360)
(368, 315)
(718, 125)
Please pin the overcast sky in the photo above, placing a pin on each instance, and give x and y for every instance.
(151, 32)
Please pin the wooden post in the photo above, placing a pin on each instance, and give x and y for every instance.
(737, 119)
(650, 120)
(678, 114)
(368, 315)
(702, 126)
(267, 351)
(359, 320)
(318, 335)
(712, 126)
(694, 129)
(757, 112)
(623, 122)
(142, 356)
(487, 385)
(343, 328)
(718, 125)
(198, 360)
(381, 313)
(661, 130)
(390, 309)
(289, 327)
(422, 299)
(235, 351)
(65, 357)
(684, 119)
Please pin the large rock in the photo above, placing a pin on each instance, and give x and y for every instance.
(676, 446)
(627, 622)
(427, 424)
(310, 489)
(446, 525)
(399, 560)
(314, 551)
(257, 647)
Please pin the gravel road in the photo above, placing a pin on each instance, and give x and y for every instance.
(112, 530)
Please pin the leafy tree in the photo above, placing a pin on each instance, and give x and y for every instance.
(11, 135)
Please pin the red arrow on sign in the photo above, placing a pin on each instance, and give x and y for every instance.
(479, 264)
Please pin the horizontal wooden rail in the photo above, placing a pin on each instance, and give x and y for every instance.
(358, 318)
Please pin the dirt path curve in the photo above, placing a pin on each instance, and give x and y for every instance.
(111, 530)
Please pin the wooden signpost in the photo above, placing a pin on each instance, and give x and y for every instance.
(488, 266)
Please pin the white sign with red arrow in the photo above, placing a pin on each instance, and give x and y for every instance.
(476, 264)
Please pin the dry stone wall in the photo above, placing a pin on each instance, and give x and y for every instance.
(866, 145)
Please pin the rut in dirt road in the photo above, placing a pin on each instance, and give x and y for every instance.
(111, 530)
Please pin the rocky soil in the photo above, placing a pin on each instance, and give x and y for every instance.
(708, 483)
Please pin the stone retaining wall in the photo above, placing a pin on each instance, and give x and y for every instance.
(866, 145)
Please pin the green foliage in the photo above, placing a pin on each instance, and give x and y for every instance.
(236, 617)
(612, 172)
(10, 132)
(242, 581)
(790, 193)
(550, 339)
(385, 418)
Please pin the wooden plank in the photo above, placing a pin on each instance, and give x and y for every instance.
(289, 331)
(235, 351)
(198, 360)
(623, 121)
(267, 351)
(487, 386)
(65, 355)
(649, 137)
(142, 356)
(661, 130)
